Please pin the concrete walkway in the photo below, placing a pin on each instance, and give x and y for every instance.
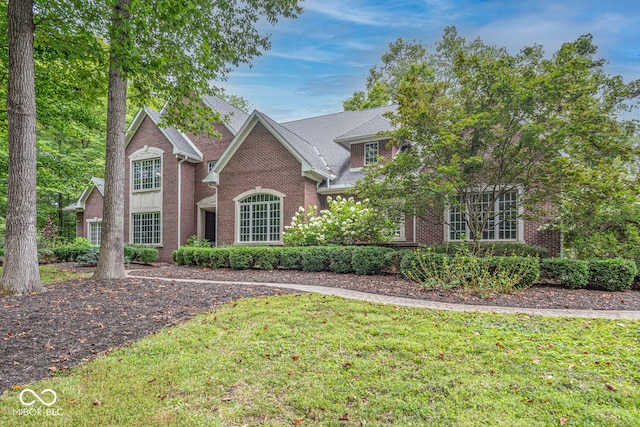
(410, 302)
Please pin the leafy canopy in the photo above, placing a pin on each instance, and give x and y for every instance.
(491, 123)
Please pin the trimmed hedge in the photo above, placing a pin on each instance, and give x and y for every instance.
(571, 273)
(494, 249)
(289, 258)
(316, 258)
(370, 259)
(615, 274)
(340, 258)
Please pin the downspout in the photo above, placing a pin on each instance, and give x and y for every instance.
(180, 198)
(414, 228)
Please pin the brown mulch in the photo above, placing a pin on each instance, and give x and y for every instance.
(76, 320)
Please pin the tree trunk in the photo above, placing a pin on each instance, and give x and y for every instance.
(20, 272)
(111, 259)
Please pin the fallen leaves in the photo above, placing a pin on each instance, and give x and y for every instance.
(610, 387)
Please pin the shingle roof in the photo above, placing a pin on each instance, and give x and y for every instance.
(322, 132)
(235, 117)
(305, 149)
(370, 128)
(181, 143)
(80, 203)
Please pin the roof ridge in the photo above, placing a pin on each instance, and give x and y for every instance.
(339, 113)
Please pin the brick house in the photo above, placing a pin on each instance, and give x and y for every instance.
(245, 186)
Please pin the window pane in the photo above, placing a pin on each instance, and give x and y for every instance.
(147, 174)
(371, 153)
(146, 228)
(95, 228)
(259, 219)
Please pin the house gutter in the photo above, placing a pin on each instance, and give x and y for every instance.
(180, 197)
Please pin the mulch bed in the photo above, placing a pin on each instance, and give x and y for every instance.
(76, 320)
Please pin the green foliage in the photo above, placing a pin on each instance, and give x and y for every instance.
(45, 256)
(383, 81)
(345, 222)
(471, 273)
(140, 253)
(570, 273)
(614, 274)
(493, 123)
(241, 258)
(341, 259)
(316, 258)
(88, 258)
(494, 249)
(370, 259)
(602, 220)
(201, 256)
(264, 257)
(72, 252)
(195, 242)
(81, 242)
(290, 258)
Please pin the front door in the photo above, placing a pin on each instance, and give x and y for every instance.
(210, 226)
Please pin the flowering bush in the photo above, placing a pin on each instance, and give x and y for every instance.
(345, 222)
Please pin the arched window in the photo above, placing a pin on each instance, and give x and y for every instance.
(259, 218)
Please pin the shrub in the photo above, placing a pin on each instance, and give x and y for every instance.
(241, 258)
(421, 266)
(71, 252)
(340, 259)
(493, 249)
(571, 273)
(370, 259)
(218, 257)
(177, 256)
(46, 256)
(345, 222)
(290, 258)
(264, 257)
(195, 242)
(140, 253)
(502, 274)
(89, 258)
(615, 274)
(315, 258)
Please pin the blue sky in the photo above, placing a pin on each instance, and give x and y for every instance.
(321, 58)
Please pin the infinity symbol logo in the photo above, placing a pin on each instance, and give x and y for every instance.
(42, 393)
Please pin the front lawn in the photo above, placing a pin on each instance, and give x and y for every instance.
(316, 360)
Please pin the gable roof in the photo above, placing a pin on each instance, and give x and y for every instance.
(314, 141)
(234, 117)
(324, 131)
(181, 143)
(79, 205)
(308, 156)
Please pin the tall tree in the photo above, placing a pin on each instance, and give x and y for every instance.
(169, 50)
(384, 80)
(493, 128)
(20, 273)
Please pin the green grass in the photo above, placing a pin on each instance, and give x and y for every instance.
(311, 360)
(50, 274)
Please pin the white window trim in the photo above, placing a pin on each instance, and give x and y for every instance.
(364, 154)
(255, 191)
(210, 166)
(93, 221)
(146, 153)
(519, 225)
(402, 237)
(159, 221)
